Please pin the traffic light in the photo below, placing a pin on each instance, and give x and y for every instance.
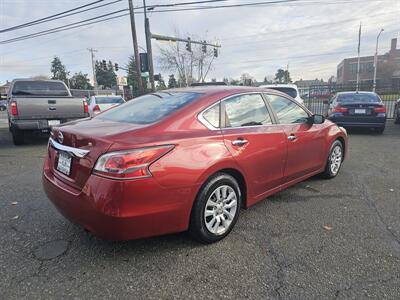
(215, 52)
(144, 62)
(204, 47)
(189, 45)
(104, 64)
(116, 67)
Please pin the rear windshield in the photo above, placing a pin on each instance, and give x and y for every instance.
(39, 88)
(109, 100)
(356, 98)
(287, 90)
(149, 108)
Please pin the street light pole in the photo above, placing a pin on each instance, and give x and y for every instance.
(376, 60)
(135, 47)
(148, 46)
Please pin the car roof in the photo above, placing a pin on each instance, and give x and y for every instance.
(210, 90)
(107, 96)
(355, 92)
(286, 85)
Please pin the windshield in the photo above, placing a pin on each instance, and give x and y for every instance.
(149, 108)
(109, 100)
(39, 88)
(357, 97)
(287, 90)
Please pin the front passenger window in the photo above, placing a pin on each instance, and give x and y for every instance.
(287, 111)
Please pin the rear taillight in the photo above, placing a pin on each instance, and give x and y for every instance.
(380, 109)
(13, 108)
(96, 109)
(85, 107)
(339, 109)
(130, 164)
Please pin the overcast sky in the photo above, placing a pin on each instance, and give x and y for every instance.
(312, 36)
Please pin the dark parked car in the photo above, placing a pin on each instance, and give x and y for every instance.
(397, 112)
(358, 109)
(185, 159)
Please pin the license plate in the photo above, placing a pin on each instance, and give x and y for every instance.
(53, 122)
(359, 111)
(64, 163)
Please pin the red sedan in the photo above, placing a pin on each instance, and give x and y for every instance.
(186, 159)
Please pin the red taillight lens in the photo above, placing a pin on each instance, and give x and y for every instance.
(85, 107)
(380, 109)
(96, 109)
(339, 109)
(14, 108)
(130, 164)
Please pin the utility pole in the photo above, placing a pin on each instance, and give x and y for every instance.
(148, 46)
(135, 47)
(358, 60)
(376, 60)
(91, 50)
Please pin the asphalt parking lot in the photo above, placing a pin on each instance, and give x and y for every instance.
(319, 239)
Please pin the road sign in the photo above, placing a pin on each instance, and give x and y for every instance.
(122, 80)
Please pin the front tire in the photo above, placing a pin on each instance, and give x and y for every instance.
(216, 209)
(334, 161)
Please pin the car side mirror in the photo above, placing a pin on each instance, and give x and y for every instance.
(316, 119)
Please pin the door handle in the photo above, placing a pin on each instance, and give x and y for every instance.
(292, 137)
(240, 142)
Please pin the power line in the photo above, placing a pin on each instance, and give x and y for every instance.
(66, 15)
(48, 17)
(56, 29)
(71, 26)
(151, 7)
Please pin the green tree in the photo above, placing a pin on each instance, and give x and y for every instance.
(172, 81)
(80, 81)
(161, 84)
(58, 70)
(106, 78)
(282, 76)
(132, 77)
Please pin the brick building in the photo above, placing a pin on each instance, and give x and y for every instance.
(388, 71)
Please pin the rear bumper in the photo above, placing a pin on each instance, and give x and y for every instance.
(39, 124)
(121, 210)
(369, 122)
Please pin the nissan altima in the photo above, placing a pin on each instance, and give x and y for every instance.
(186, 159)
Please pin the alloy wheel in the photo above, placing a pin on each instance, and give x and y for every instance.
(336, 159)
(220, 209)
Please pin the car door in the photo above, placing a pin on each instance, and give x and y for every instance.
(305, 142)
(256, 143)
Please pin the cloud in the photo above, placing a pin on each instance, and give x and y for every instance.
(311, 36)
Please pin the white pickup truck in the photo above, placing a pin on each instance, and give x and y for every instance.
(37, 105)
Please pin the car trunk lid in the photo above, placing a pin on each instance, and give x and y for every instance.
(95, 136)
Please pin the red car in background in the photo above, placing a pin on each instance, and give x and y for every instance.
(185, 159)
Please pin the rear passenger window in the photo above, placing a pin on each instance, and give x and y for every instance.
(287, 111)
(246, 110)
(211, 115)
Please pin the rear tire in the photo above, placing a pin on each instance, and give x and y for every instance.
(380, 130)
(334, 161)
(396, 116)
(18, 136)
(216, 209)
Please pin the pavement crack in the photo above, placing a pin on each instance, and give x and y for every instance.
(371, 204)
